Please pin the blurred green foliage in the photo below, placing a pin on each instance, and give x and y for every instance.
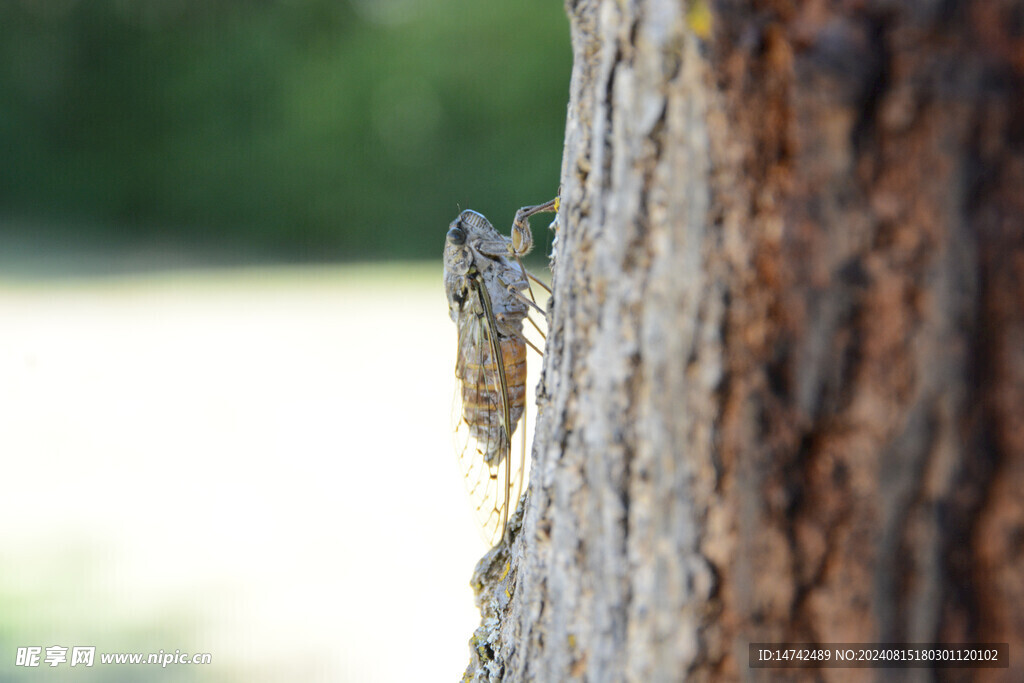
(303, 129)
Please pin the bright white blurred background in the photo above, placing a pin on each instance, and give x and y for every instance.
(254, 463)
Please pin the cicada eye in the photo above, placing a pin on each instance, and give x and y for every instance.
(457, 235)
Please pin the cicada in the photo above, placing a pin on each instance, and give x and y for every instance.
(489, 297)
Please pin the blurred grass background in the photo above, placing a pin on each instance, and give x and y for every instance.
(253, 461)
(298, 130)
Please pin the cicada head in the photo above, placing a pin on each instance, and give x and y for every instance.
(458, 262)
(482, 238)
(475, 223)
(458, 257)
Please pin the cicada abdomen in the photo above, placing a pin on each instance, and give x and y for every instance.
(489, 446)
(482, 394)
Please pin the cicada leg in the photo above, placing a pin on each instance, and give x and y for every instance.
(522, 238)
(539, 282)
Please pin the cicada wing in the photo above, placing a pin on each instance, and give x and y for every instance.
(490, 461)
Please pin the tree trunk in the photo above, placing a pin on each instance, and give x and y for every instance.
(783, 390)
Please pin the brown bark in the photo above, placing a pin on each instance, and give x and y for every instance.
(783, 394)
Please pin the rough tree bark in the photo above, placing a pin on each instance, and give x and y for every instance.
(783, 391)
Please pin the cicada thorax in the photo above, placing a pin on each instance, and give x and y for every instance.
(483, 396)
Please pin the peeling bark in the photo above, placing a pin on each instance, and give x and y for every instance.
(783, 391)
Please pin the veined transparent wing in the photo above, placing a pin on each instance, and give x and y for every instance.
(488, 410)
